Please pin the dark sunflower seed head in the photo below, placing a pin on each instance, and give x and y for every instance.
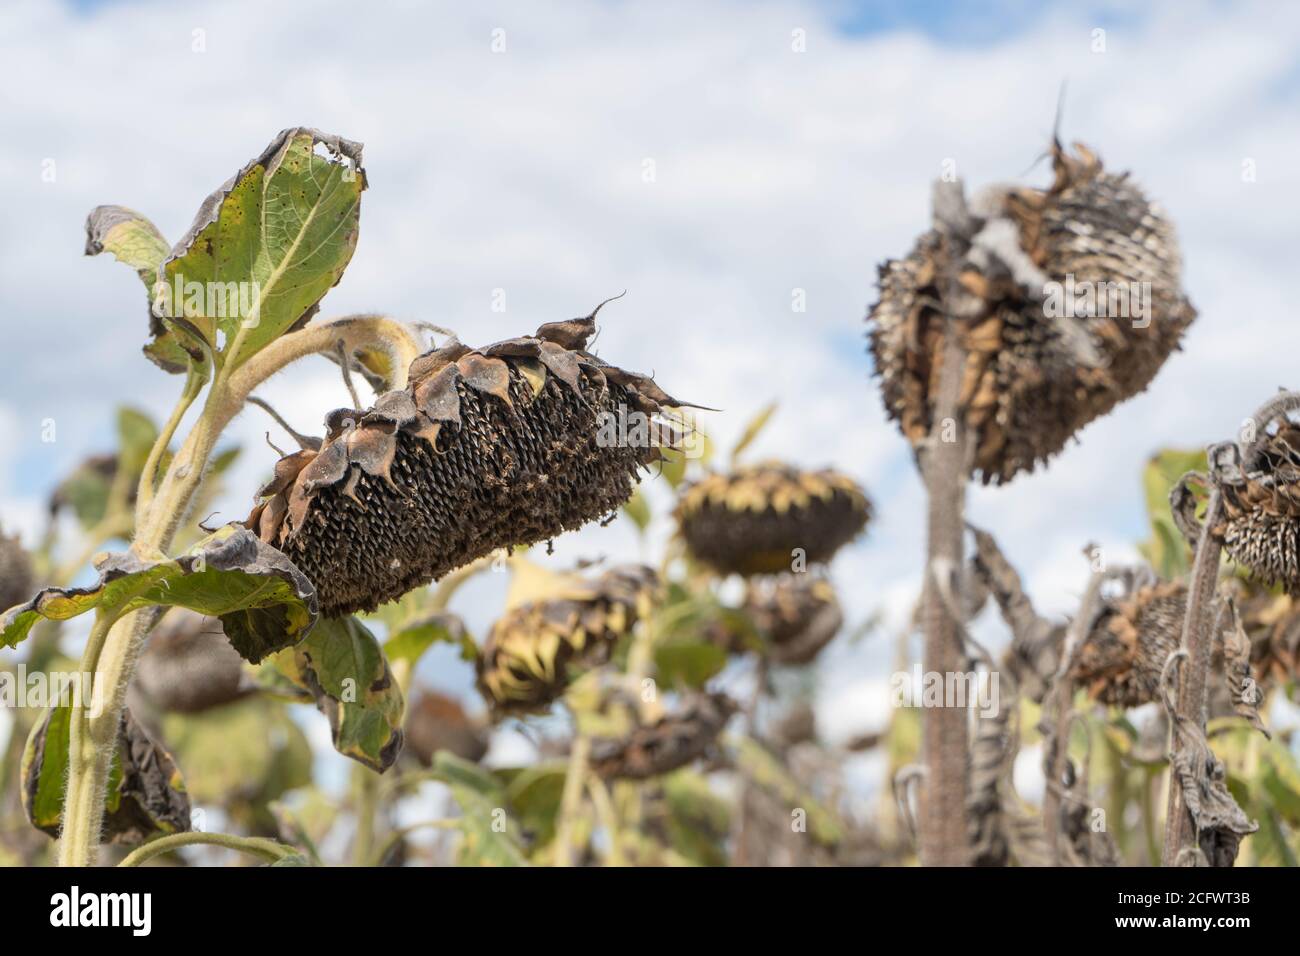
(761, 519)
(485, 449)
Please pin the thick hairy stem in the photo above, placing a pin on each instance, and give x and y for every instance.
(262, 847)
(1198, 642)
(112, 652)
(83, 808)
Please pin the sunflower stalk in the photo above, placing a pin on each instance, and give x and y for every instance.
(944, 465)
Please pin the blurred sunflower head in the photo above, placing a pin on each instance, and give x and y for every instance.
(672, 741)
(527, 661)
(798, 613)
(765, 518)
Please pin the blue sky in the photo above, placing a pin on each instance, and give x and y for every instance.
(775, 170)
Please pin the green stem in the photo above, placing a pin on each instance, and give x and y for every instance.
(83, 809)
(263, 847)
(571, 802)
(366, 783)
(194, 381)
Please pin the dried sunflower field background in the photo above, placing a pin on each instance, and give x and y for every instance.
(778, 434)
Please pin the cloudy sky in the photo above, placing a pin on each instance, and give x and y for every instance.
(791, 147)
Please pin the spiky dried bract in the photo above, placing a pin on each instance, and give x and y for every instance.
(1124, 654)
(437, 722)
(525, 662)
(798, 613)
(1261, 524)
(759, 518)
(17, 580)
(672, 741)
(485, 449)
(1024, 393)
(188, 665)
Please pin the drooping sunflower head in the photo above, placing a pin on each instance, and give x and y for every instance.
(1094, 313)
(17, 580)
(797, 613)
(1261, 504)
(437, 722)
(672, 741)
(529, 657)
(1130, 640)
(485, 448)
(188, 665)
(770, 517)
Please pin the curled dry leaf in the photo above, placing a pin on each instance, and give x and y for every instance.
(486, 448)
(526, 661)
(1243, 689)
(1037, 369)
(1218, 822)
(1002, 831)
(760, 518)
(1034, 654)
(146, 795)
(672, 741)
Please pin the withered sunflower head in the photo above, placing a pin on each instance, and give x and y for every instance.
(526, 661)
(17, 580)
(486, 448)
(437, 722)
(759, 519)
(672, 741)
(1123, 656)
(1044, 356)
(1259, 482)
(188, 665)
(798, 613)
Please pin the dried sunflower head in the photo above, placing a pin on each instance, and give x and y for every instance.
(798, 613)
(1105, 263)
(672, 741)
(1260, 488)
(189, 665)
(756, 519)
(486, 448)
(17, 580)
(524, 664)
(1121, 660)
(438, 722)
